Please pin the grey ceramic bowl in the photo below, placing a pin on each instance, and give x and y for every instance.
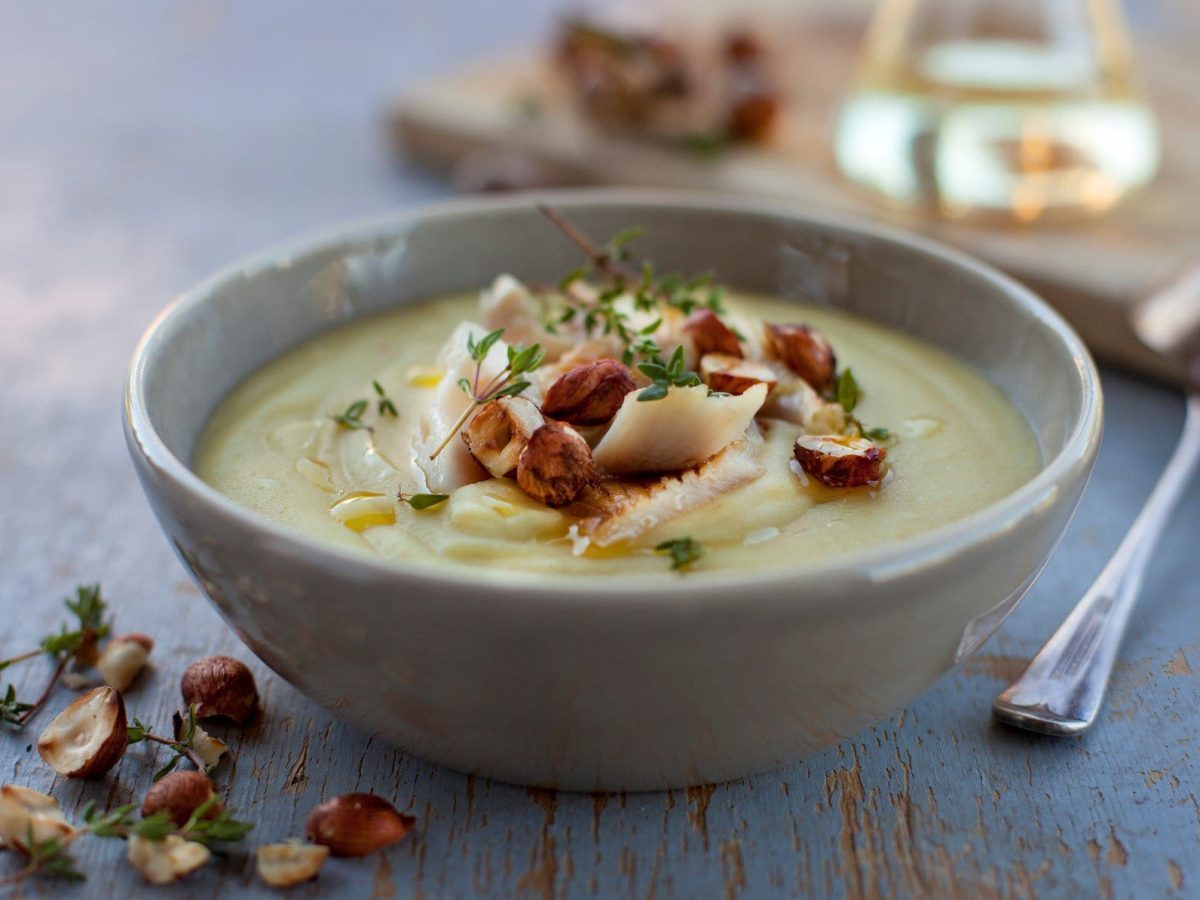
(592, 683)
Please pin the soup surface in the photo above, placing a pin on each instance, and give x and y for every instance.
(955, 445)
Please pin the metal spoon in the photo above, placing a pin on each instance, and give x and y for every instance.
(1061, 691)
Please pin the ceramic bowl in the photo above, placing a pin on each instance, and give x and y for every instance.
(592, 683)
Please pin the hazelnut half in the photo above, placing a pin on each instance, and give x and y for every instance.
(556, 465)
(25, 812)
(220, 687)
(123, 658)
(357, 824)
(498, 433)
(710, 335)
(291, 863)
(181, 794)
(88, 737)
(167, 860)
(734, 375)
(805, 351)
(589, 395)
(840, 462)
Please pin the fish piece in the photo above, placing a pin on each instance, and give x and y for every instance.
(795, 401)
(621, 510)
(506, 303)
(680, 431)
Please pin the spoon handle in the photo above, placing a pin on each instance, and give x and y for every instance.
(1061, 691)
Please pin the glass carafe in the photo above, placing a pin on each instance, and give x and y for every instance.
(1012, 109)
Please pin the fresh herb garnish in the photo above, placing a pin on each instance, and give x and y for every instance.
(385, 405)
(847, 394)
(666, 375)
(48, 858)
(352, 417)
(121, 823)
(683, 551)
(69, 644)
(509, 383)
(183, 746)
(424, 501)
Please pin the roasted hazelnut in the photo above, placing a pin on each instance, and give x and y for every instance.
(589, 395)
(123, 658)
(556, 465)
(357, 824)
(88, 737)
(26, 813)
(498, 433)
(840, 462)
(734, 375)
(805, 351)
(290, 863)
(220, 687)
(166, 860)
(710, 335)
(181, 794)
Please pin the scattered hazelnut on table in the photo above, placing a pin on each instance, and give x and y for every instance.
(357, 824)
(26, 813)
(88, 737)
(181, 794)
(166, 860)
(805, 351)
(590, 394)
(220, 687)
(289, 863)
(123, 658)
(734, 375)
(556, 465)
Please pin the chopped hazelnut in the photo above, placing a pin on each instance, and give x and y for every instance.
(88, 737)
(734, 375)
(589, 395)
(290, 863)
(123, 658)
(166, 860)
(710, 335)
(805, 351)
(556, 465)
(840, 462)
(499, 431)
(220, 687)
(26, 813)
(357, 824)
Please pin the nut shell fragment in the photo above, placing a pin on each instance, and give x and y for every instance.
(181, 794)
(734, 375)
(167, 860)
(220, 687)
(556, 465)
(499, 431)
(88, 737)
(840, 462)
(589, 395)
(123, 658)
(25, 812)
(289, 864)
(710, 335)
(805, 351)
(357, 824)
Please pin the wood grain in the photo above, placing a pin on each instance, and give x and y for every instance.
(112, 199)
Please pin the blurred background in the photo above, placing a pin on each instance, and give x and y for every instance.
(144, 144)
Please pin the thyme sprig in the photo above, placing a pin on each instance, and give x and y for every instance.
(607, 270)
(846, 393)
(48, 858)
(68, 645)
(351, 419)
(385, 406)
(508, 383)
(183, 747)
(666, 375)
(683, 551)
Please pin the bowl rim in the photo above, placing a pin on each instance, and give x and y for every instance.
(879, 563)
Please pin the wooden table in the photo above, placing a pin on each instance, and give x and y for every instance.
(140, 151)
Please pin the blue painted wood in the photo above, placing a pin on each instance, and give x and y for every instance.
(141, 149)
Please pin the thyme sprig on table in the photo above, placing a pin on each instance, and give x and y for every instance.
(608, 271)
(183, 746)
(509, 382)
(69, 645)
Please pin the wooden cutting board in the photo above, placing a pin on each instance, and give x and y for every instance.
(1092, 272)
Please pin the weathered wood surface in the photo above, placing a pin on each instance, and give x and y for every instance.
(139, 152)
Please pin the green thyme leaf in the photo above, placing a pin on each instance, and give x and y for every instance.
(683, 551)
(386, 406)
(879, 435)
(352, 417)
(847, 390)
(656, 391)
(425, 501)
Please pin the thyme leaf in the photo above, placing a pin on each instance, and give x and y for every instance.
(683, 552)
(352, 418)
(424, 501)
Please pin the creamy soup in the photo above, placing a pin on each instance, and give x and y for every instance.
(956, 444)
